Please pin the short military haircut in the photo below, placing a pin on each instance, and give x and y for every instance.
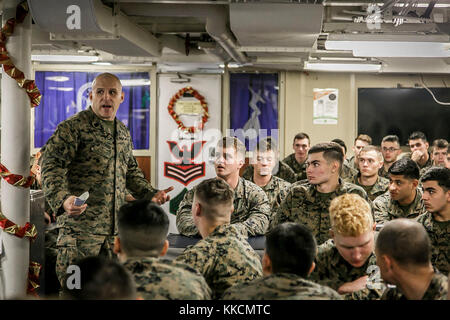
(440, 144)
(405, 167)
(365, 138)
(291, 248)
(301, 136)
(341, 143)
(417, 135)
(439, 174)
(101, 279)
(331, 151)
(143, 228)
(267, 144)
(350, 215)
(215, 195)
(373, 148)
(235, 143)
(406, 241)
(391, 138)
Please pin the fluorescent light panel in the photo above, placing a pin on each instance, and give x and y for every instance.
(392, 49)
(103, 63)
(135, 82)
(341, 67)
(63, 58)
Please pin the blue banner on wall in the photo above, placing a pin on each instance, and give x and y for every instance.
(254, 107)
(67, 93)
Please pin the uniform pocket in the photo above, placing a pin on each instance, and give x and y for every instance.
(101, 150)
(67, 255)
(66, 241)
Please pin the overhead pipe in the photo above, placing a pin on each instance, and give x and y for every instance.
(216, 26)
(216, 22)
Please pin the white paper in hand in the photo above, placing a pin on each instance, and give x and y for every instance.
(81, 199)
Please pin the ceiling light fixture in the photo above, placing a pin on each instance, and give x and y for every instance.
(332, 66)
(392, 49)
(101, 63)
(63, 58)
(135, 82)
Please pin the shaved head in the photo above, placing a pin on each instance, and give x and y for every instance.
(406, 241)
(108, 76)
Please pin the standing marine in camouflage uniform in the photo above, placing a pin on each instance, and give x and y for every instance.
(308, 203)
(223, 256)
(436, 196)
(347, 262)
(287, 262)
(297, 160)
(390, 148)
(91, 151)
(143, 227)
(370, 161)
(360, 142)
(251, 206)
(403, 251)
(404, 198)
(263, 163)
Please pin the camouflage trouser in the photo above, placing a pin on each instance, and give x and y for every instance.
(75, 246)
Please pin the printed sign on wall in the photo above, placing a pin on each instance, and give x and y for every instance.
(325, 106)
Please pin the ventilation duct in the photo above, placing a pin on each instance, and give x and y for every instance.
(93, 24)
(270, 25)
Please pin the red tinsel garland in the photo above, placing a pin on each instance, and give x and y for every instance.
(28, 230)
(174, 115)
(15, 179)
(9, 67)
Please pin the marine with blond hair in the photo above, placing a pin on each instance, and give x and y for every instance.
(347, 262)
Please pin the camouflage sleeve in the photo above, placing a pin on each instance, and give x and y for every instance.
(59, 152)
(283, 211)
(259, 214)
(234, 292)
(200, 257)
(380, 209)
(321, 273)
(391, 294)
(280, 196)
(277, 202)
(184, 220)
(365, 294)
(136, 183)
